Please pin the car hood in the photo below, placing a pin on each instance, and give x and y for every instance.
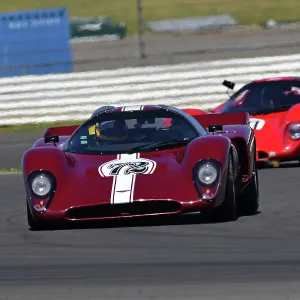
(99, 179)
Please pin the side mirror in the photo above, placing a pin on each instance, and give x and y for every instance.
(51, 139)
(214, 128)
(230, 85)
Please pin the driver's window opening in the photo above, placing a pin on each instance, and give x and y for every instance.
(264, 97)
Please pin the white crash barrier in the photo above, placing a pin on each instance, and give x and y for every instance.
(62, 97)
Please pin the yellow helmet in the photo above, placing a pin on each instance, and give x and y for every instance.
(114, 130)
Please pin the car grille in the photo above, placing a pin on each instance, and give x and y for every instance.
(121, 210)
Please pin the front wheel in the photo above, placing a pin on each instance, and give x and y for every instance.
(249, 199)
(227, 211)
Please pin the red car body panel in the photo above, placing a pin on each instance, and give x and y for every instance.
(273, 141)
(84, 187)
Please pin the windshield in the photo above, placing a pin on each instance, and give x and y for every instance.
(264, 97)
(122, 132)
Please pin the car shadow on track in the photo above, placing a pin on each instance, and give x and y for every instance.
(149, 221)
(281, 165)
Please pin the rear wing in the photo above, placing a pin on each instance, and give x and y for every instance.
(62, 130)
(235, 118)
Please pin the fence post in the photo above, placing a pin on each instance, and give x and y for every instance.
(142, 54)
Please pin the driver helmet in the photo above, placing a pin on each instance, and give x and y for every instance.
(115, 130)
(270, 96)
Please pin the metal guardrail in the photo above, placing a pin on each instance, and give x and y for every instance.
(61, 97)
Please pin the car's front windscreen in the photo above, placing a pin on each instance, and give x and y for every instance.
(122, 132)
(264, 97)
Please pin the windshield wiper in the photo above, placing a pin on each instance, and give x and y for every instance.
(270, 111)
(159, 144)
(261, 112)
(283, 107)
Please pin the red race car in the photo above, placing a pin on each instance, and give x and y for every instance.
(274, 108)
(139, 161)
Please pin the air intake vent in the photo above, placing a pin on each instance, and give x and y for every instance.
(120, 210)
(262, 155)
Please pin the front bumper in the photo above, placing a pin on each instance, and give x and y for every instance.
(288, 153)
(142, 208)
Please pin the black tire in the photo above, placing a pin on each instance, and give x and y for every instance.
(260, 165)
(249, 199)
(33, 223)
(227, 211)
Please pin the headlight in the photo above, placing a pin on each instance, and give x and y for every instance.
(207, 173)
(295, 131)
(41, 185)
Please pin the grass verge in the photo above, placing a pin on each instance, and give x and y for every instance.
(246, 12)
(11, 170)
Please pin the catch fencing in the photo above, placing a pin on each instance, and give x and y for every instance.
(63, 97)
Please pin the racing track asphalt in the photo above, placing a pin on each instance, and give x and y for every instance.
(183, 48)
(256, 257)
(14, 144)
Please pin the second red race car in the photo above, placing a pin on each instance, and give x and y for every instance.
(274, 108)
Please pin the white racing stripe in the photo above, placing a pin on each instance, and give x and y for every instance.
(133, 107)
(124, 169)
(123, 184)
